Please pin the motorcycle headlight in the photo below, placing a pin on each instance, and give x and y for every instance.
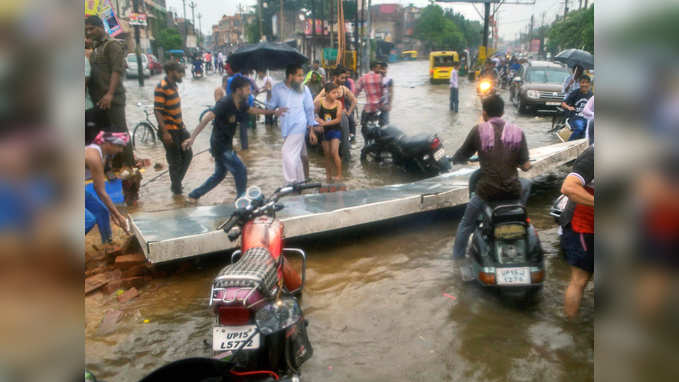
(533, 94)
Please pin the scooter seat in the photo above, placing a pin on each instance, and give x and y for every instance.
(507, 211)
(255, 269)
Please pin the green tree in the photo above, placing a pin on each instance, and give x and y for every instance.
(576, 30)
(471, 30)
(437, 31)
(169, 39)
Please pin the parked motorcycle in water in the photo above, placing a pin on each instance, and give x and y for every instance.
(421, 152)
(275, 318)
(255, 295)
(504, 251)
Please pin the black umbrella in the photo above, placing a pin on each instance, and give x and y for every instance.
(571, 57)
(265, 55)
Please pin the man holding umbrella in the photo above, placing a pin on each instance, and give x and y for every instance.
(290, 95)
(294, 96)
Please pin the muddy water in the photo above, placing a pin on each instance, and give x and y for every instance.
(375, 296)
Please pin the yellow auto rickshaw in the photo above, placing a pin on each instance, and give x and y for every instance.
(408, 55)
(441, 65)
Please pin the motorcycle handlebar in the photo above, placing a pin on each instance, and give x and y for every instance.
(227, 225)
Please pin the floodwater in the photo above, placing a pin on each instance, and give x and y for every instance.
(375, 296)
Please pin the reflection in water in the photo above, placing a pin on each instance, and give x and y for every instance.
(374, 295)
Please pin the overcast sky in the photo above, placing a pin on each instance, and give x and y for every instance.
(511, 18)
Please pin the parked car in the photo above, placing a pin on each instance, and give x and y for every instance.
(538, 86)
(155, 66)
(132, 70)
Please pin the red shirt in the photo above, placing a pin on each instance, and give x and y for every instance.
(583, 217)
(372, 83)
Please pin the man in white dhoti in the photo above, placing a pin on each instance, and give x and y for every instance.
(299, 117)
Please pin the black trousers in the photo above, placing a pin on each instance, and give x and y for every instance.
(111, 120)
(178, 160)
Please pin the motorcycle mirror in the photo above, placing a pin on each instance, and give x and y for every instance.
(254, 193)
(278, 315)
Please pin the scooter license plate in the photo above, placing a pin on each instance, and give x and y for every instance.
(513, 276)
(232, 337)
(440, 153)
(552, 103)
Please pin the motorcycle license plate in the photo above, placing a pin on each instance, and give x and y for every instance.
(439, 154)
(513, 276)
(552, 103)
(232, 337)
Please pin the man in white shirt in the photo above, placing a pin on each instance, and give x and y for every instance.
(264, 83)
(299, 117)
(454, 90)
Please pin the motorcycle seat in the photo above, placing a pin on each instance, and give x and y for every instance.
(255, 269)
(415, 143)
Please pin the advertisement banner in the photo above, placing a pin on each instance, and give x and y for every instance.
(321, 27)
(91, 7)
(106, 14)
(137, 19)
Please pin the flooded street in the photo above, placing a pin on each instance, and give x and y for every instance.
(374, 296)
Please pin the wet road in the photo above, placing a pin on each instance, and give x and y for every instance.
(374, 297)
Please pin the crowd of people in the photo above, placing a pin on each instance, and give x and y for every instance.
(314, 107)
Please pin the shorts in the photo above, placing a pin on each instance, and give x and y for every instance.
(579, 248)
(331, 134)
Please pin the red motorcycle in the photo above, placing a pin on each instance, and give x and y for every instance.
(260, 327)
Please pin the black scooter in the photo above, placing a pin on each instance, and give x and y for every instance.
(504, 251)
(421, 153)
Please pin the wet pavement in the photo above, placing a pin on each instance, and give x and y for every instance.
(374, 296)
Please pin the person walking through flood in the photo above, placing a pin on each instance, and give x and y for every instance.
(265, 83)
(454, 88)
(502, 148)
(577, 220)
(99, 207)
(299, 117)
(225, 113)
(330, 112)
(171, 130)
(345, 96)
(371, 82)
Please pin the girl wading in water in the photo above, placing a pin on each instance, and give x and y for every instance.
(329, 116)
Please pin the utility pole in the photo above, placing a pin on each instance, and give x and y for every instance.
(200, 26)
(193, 17)
(140, 66)
(332, 35)
(259, 18)
(186, 31)
(586, 3)
(280, 22)
(565, 8)
(530, 33)
(369, 25)
(580, 5)
(357, 45)
(486, 17)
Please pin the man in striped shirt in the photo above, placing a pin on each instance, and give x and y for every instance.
(371, 82)
(171, 130)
